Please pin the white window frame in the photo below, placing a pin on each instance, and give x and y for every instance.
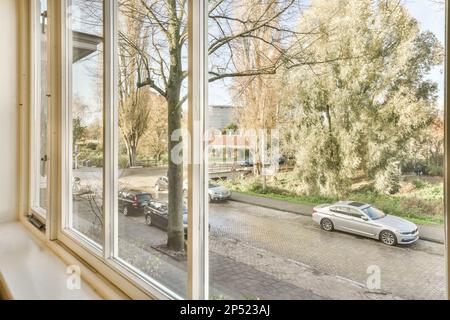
(107, 256)
(35, 113)
(67, 232)
(104, 261)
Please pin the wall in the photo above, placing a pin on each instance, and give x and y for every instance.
(8, 108)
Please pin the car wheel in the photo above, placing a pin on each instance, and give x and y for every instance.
(327, 225)
(125, 211)
(388, 238)
(148, 219)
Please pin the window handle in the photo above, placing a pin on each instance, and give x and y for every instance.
(44, 158)
(44, 16)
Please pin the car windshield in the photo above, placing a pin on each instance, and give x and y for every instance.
(143, 198)
(213, 185)
(374, 213)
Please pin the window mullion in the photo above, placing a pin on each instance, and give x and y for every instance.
(198, 261)
(110, 131)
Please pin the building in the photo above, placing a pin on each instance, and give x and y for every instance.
(221, 117)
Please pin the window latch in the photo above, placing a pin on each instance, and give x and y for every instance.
(44, 158)
(44, 16)
(36, 223)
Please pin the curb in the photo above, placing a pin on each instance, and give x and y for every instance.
(423, 238)
(431, 240)
(272, 207)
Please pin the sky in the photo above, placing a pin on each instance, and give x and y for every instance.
(430, 16)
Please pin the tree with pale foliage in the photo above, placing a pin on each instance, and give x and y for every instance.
(354, 117)
(134, 103)
(154, 141)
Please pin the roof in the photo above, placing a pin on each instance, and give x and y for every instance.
(84, 45)
(355, 204)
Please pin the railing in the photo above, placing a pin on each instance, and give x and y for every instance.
(225, 167)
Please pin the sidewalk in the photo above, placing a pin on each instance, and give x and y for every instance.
(428, 233)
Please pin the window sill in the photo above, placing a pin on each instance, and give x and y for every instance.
(31, 271)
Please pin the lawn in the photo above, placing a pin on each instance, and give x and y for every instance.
(420, 199)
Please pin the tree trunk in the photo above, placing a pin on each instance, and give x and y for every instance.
(132, 154)
(175, 230)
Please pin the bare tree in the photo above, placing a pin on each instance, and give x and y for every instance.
(134, 111)
(164, 66)
(257, 95)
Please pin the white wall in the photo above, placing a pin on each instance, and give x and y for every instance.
(8, 108)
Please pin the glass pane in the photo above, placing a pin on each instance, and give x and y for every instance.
(39, 195)
(152, 91)
(43, 106)
(314, 103)
(86, 95)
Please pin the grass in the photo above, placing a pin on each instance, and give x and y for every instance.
(420, 201)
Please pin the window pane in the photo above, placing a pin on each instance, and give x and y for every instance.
(43, 106)
(152, 218)
(40, 135)
(314, 103)
(86, 96)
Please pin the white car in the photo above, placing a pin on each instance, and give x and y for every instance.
(217, 192)
(365, 220)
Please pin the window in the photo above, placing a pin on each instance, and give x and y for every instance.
(152, 116)
(198, 135)
(40, 109)
(299, 118)
(84, 116)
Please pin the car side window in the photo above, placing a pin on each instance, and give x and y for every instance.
(354, 213)
(347, 211)
(340, 210)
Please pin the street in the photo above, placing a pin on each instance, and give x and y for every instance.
(414, 272)
(260, 253)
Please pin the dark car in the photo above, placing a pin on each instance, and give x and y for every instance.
(420, 170)
(157, 215)
(133, 202)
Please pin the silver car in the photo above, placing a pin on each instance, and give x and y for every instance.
(365, 220)
(217, 192)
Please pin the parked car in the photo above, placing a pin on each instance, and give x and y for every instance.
(248, 163)
(217, 192)
(420, 170)
(157, 215)
(365, 220)
(133, 202)
(162, 184)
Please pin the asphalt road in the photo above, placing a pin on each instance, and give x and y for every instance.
(260, 252)
(412, 272)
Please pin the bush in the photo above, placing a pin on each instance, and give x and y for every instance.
(388, 181)
(123, 161)
(419, 184)
(92, 146)
(436, 171)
